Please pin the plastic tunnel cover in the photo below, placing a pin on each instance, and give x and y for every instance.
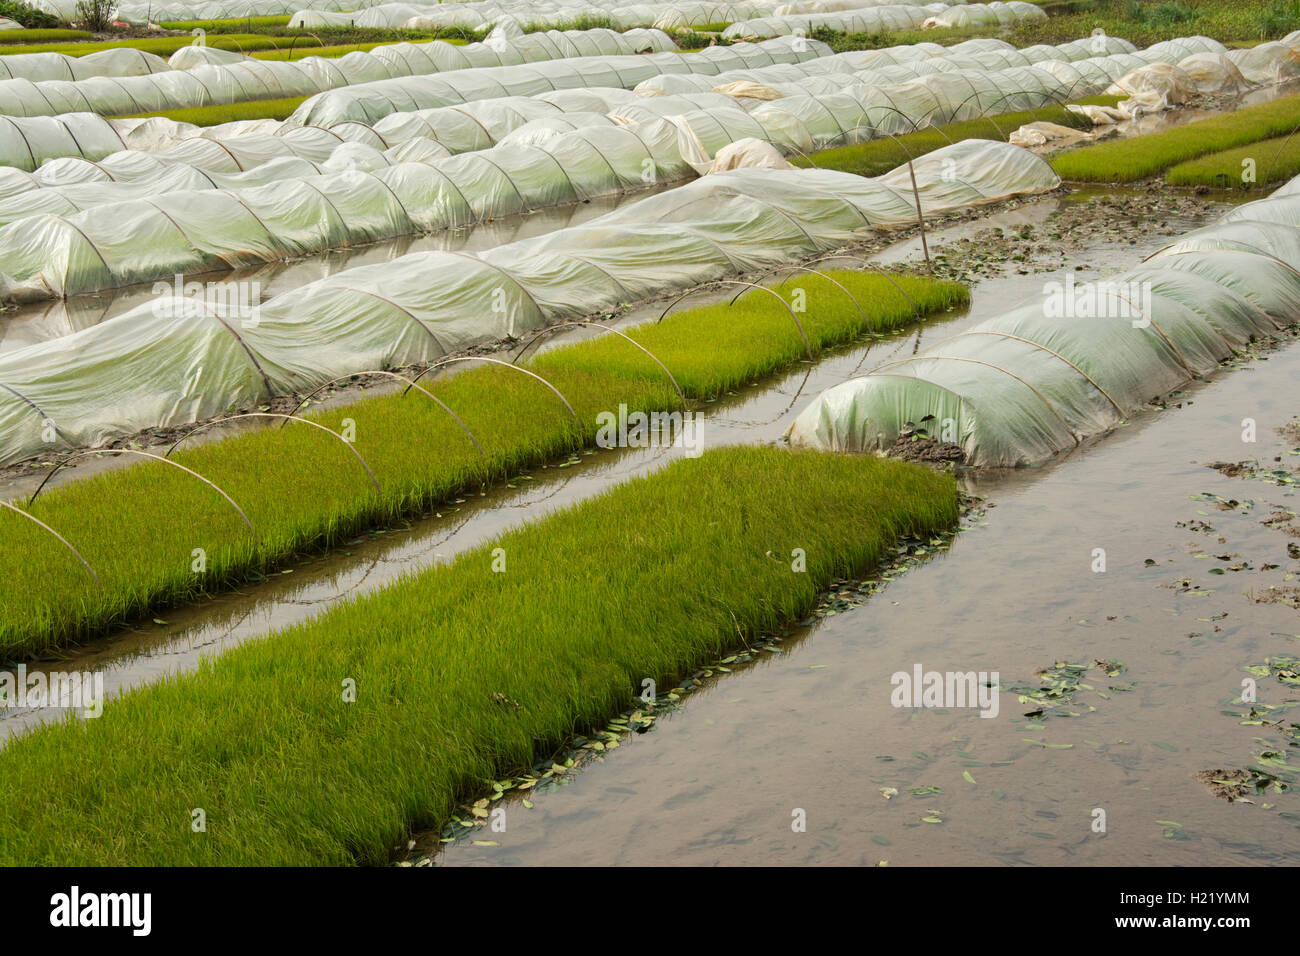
(423, 305)
(1031, 383)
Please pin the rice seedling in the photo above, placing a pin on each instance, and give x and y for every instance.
(757, 335)
(462, 674)
(1128, 160)
(1246, 167)
(23, 38)
(157, 535)
(879, 156)
(229, 112)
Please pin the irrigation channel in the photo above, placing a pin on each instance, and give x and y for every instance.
(812, 727)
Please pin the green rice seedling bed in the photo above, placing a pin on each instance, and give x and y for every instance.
(1128, 160)
(879, 156)
(460, 675)
(230, 112)
(1246, 167)
(157, 536)
(21, 38)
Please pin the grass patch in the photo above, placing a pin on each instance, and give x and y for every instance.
(1270, 161)
(842, 42)
(166, 46)
(1127, 160)
(1145, 23)
(692, 40)
(648, 580)
(879, 156)
(582, 21)
(229, 112)
(302, 490)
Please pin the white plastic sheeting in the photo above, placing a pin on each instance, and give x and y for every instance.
(150, 180)
(1159, 86)
(142, 11)
(27, 142)
(123, 61)
(54, 318)
(894, 17)
(78, 221)
(677, 15)
(488, 13)
(950, 93)
(478, 124)
(178, 360)
(368, 102)
(1045, 377)
(667, 152)
(985, 15)
(67, 240)
(197, 154)
(246, 78)
(482, 123)
(402, 137)
(836, 72)
(1269, 62)
(161, 229)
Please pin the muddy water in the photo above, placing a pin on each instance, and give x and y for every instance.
(814, 728)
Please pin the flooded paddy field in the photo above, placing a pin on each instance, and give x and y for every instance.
(950, 569)
(1178, 638)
